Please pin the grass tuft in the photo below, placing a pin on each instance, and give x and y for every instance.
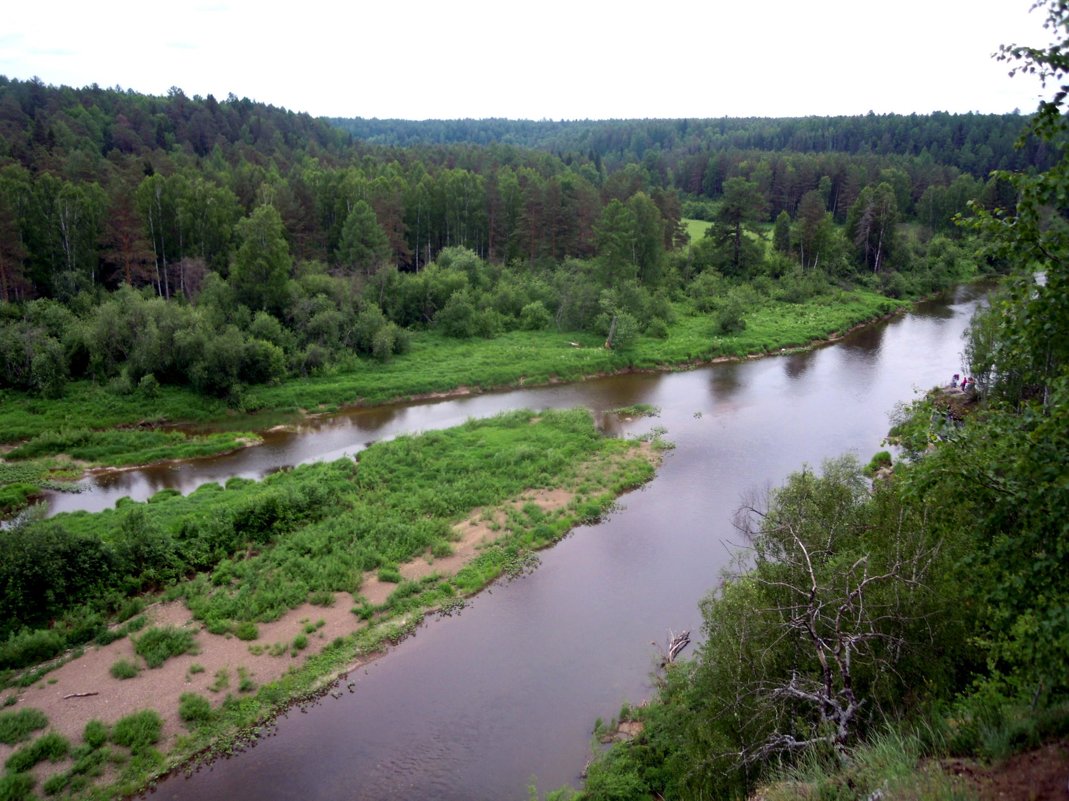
(15, 727)
(159, 644)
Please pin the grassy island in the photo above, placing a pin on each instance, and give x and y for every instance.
(294, 579)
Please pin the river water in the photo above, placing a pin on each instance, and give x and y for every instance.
(505, 695)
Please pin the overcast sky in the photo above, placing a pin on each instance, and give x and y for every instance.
(552, 59)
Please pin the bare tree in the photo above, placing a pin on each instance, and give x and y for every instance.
(841, 612)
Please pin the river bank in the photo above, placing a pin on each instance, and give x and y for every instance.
(437, 366)
(245, 680)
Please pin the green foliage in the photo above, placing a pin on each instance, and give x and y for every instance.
(128, 446)
(51, 746)
(16, 787)
(159, 644)
(95, 734)
(730, 317)
(246, 630)
(834, 569)
(138, 731)
(879, 461)
(364, 246)
(221, 682)
(124, 669)
(195, 709)
(262, 263)
(17, 726)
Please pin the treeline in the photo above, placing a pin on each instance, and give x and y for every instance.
(264, 244)
(973, 143)
(100, 187)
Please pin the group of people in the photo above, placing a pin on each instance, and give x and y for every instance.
(966, 383)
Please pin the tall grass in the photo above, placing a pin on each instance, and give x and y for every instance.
(17, 726)
(890, 763)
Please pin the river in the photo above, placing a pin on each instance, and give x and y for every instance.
(503, 696)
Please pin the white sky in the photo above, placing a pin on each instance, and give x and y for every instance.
(552, 59)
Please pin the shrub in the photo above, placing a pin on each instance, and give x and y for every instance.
(30, 647)
(246, 630)
(54, 784)
(390, 575)
(300, 642)
(729, 318)
(879, 461)
(138, 731)
(95, 734)
(321, 598)
(17, 726)
(16, 787)
(222, 680)
(193, 708)
(50, 746)
(535, 316)
(157, 645)
(124, 669)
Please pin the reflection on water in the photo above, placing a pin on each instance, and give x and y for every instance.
(725, 380)
(480, 705)
(795, 364)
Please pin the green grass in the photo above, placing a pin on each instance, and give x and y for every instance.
(159, 644)
(195, 709)
(222, 681)
(125, 447)
(95, 734)
(17, 726)
(891, 762)
(246, 630)
(51, 746)
(695, 228)
(21, 482)
(16, 787)
(138, 731)
(124, 669)
(637, 410)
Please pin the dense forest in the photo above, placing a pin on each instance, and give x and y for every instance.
(214, 245)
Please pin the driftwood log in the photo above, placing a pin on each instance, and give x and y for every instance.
(676, 643)
(79, 695)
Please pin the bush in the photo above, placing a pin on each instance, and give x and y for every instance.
(246, 630)
(193, 708)
(50, 746)
(729, 318)
(138, 731)
(390, 575)
(535, 316)
(17, 726)
(30, 648)
(157, 645)
(879, 461)
(95, 734)
(16, 787)
(124, 669)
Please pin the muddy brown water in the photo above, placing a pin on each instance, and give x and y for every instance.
(504, 696)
